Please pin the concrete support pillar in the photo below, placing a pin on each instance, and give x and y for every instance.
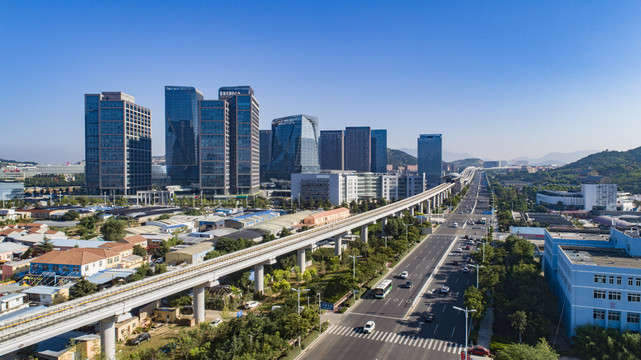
(420, 208)
(199, 304)
(259, 277)
(412, 211)
(338, 245)
(300, 254)
(429, 206)
(383, 223)
(108, 337)
(364, 233)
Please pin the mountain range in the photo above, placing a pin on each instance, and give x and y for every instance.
(554, 158)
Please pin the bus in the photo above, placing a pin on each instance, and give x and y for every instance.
(383, 289)
(483, 221)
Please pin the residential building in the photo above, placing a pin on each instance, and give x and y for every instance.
(74, 262)
(214, 146)
(596, 277)
(244, 158)
(181, 134)
(15, 269)
(599, 196)
(379, 151)
(117, 144)
(358, 149)
(294, 146)
(47, 295)
(332, 149)
(10, 250)
(430, 158)
(10, 190)
(12, 302)
(335, 187)
(265, 153)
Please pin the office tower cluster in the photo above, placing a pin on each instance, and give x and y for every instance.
(430, 157)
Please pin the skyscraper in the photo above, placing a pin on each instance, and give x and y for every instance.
(117, 144)
(294, 146)
(430, 158)
(358, 145)
(214, 146)
(265, 153)
(379, 151)
(244, 158)
(181, 134)
(331, 149)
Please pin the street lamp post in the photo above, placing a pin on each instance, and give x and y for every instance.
(385, 237)
(299, 291)
(406, 226)
(466, 312)
(320, 324)
(354, 258)
(477, 267)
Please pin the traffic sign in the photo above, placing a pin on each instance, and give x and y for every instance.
(327, 306)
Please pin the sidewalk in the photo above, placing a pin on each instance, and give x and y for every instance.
(485, 331)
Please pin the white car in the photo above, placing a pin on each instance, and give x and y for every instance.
(459, 250)
(369, 327)
(251, 304)
(405, 275)
(445, 289)
(216, 322)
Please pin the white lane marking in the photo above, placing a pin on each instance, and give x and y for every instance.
(406, 339)
(420, 342)
(398, 337)
(440, 345)
(454, 328)
(436, 327)
(393, 338)
(413, 341)
(388, 337)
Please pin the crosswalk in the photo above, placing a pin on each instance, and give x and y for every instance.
(400, 339)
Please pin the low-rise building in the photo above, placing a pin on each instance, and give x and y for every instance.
(15, 269)
(47, 295)
(189, 254)
(242, 221)
(74, 262)
(12, 302)
(166, 314)
(9, 251)
(326, 217)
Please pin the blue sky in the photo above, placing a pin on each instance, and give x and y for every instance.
(498, 79)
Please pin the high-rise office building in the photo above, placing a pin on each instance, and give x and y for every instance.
(294, 146)
(331, 146)
(181, 134)
(379, 151)
(117, 144)
(244, 157)
(358, 147)
(265, 153)
(214, 146)
(430, 157)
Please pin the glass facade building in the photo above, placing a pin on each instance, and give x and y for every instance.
(244, 157)
(117, 144)
(214, 146)
(331, 146)
(358, 148)
(181, 134)
(265, 153)
(294, 146)
(379, 151)
(430, 157)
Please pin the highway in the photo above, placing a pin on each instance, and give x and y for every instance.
(401, 332)
(70, 315)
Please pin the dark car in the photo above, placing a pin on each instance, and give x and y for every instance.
(407, 285)
(140, 338)
(455, 263)
(429, 317)
(478, 350)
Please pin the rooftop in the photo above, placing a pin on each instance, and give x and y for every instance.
(576, 235)
(601, 257)
(328, 213)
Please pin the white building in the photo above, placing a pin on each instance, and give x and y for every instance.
(337, 187)
(599, 195)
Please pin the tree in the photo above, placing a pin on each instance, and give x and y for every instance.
(160, 268)
(113, 230)
(285, 232)
(518, 321)
(542, 351)
(140, 251)
(82, 288)
(44, 246)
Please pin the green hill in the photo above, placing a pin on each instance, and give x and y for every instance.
(400, 158)
(620, 167)
(463, 163)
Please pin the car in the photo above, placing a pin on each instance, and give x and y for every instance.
(276, 307)
(369, 327)
(454, 262)
(216, 322)
(169, 347)
(466, 237)
(407, 285)
(478, 350)
(467, 247)
(459, 250)
(141, 338)
(470, 242)
(429, 317)
(251, 304)
(466, 269)
(445, 289)
(404, 275)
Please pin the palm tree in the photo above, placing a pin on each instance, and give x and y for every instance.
(518, 321)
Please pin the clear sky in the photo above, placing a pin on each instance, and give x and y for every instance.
(498, 79)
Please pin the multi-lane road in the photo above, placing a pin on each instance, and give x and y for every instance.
(401, 331)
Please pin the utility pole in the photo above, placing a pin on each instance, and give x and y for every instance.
(477, 267)
(354, 258)
(299, 291)
(320, 324)
(385, 237)
(466, 312)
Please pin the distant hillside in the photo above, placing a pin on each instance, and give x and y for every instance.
(400, 158)
(620, 167)
(4, 162)
(462, 164)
